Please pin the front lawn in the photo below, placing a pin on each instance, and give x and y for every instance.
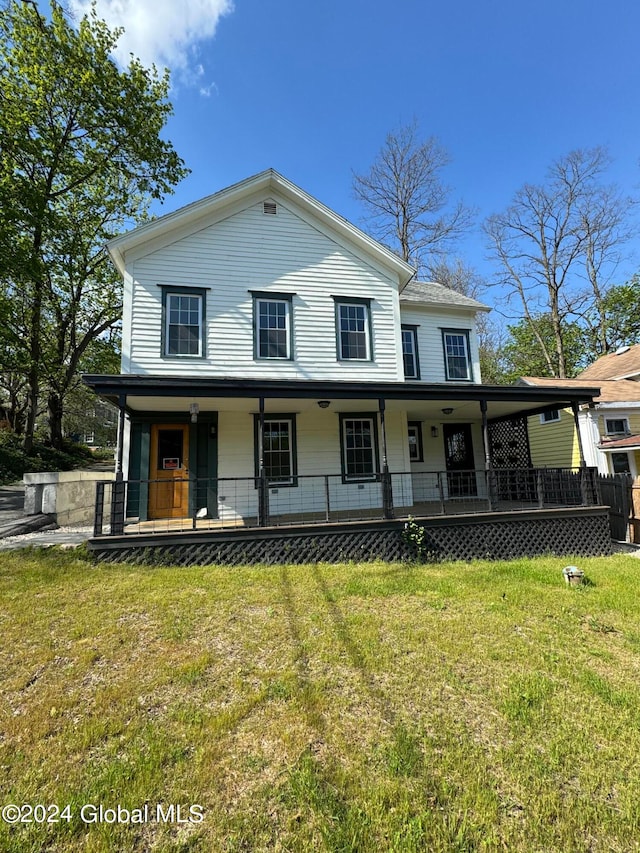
(363, 707)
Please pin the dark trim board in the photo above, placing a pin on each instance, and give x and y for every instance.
(578, 531)
(534, 397)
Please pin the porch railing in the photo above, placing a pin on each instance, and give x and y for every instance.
(147, 506)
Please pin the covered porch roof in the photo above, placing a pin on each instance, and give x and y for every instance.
(141, 392)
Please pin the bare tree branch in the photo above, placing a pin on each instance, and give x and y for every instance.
(406, 201)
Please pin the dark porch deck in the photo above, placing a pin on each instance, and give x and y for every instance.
(493, 514)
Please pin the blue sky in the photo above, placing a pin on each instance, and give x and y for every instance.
(311, 89)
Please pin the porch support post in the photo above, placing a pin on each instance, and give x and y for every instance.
(122, 401)
(263, 494)
(387, 490)
(585, 492)
(118, 487)
(488, 466)
(574, 409)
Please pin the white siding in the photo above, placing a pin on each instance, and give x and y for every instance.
(253, 251)
(318, 452)
(430, 322)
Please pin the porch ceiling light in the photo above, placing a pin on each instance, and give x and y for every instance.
(194, 409)
(447, 411)
(324, 404)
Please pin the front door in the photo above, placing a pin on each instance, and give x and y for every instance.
(458, 449)
(169, 471)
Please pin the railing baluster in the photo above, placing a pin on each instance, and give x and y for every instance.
(327, 498)
(441, 494)
(97, 521)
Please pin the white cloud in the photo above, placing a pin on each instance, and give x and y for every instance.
(161, 32)
(207, 91)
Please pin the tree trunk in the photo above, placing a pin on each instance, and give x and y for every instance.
(33, 373)
(55, 412)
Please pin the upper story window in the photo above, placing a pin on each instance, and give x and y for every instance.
(616, 426)
(353, 329)
(272, 326)
(550, 417)
(457, 354)
(410, 352)
(183, 322)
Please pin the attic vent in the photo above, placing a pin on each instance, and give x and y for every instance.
(269, 207)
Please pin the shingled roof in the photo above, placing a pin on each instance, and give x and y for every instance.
(621, 364)
(431, 293)
(611, 390)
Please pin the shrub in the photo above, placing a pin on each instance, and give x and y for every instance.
(14, 462)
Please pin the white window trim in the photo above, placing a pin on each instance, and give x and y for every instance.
(550, 420)
(631, 458)
(412, 331)
(465, 334)
(168, 324)
(286, 481)
(417, 427)
(287, 304)
(355, 477)
(290, 420)
(344, 303)
(624, 420)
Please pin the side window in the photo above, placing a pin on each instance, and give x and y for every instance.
(416, 453)
(183, 322)
(620, 463)
(359, 447)
(353, 329)
(550, 417)
(273, 333)
(616, 426)
(457, 354)
(410, 352)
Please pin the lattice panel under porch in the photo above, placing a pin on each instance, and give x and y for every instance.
(580, 535)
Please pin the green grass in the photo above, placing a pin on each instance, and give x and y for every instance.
(368, 707)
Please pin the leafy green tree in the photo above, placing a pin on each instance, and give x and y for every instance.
(615, 322)
(81, 156)
(521, 354)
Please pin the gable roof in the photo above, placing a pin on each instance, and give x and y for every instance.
(611, 390)
(269, 181)
(621, 364)
(432, 293)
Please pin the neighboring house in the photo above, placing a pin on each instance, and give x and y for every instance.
(609, 428)
(269, 344)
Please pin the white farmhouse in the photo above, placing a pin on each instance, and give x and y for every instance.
(279, 365)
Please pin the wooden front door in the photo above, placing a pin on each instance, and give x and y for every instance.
(458, 449)
(169, 471)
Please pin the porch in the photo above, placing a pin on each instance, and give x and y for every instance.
(227, 504)
(227, 461)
